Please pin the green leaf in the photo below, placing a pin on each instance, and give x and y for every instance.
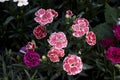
(103, 31)
(70, 78)
(31, 11)
(34, 75)
(17, 65)
(27, 74)
(86, 67)
(100, 65)
(55, 76)
(18, 78)
(7, 21)
(111, 14)
(4, 67)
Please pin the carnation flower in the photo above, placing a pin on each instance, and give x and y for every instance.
(40, 32)
(82, 21)
(68, 13)
(113, 54)
(54, 13)
(80, 27)
(21, 2)
(31, 59)
(3, 0)
(44, 17)
(116, 30)
(107, 42)
(30, 46)
(54, 54)
(72, 64)
(58, 40)
(91, 38)
(79, 31)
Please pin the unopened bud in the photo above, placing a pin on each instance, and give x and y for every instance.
(44, 58)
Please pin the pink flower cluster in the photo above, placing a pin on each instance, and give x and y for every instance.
(72, 64)
(116, 30)
(55, 53)
(58, 41)
(44, 17)
(80, 28)
(113, 54)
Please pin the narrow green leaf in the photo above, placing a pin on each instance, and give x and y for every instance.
(18, 77)
(31, 11)
(4, 67)
(34, 75)
(7, 21)
(27, 74)
(86, 67)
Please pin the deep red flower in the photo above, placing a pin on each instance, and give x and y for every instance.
(107, 42)
(40, 32)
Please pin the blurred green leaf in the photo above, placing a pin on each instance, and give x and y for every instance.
(86, 67)
(7, 21)
(28, 75)
(31, 11)
(111, 14)
(103, 31)
(33, 76)
(100, 65)
(55, 76)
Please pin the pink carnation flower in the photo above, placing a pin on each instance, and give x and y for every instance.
(31, 59)
(44, 17)
(54, 54)
(72, 64)
(79, 30)
(113, 54)
(58, 40)
(82, 21)
(107, 42)
(30, 46)
(68, 13)
(80, 27)
(54, 13)
(116, 30)
(40, 32)
(91, 38)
